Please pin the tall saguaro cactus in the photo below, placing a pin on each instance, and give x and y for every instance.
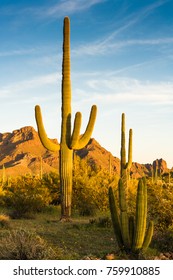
(125, 166)
(131, 232)
(69, 140)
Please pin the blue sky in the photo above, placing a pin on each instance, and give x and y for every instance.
(121, 60)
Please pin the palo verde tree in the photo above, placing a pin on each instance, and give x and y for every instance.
(70, 140)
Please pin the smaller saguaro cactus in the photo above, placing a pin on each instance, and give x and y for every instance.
(125, 165)
(131, 232)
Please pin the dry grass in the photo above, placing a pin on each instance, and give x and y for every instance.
(70, 240)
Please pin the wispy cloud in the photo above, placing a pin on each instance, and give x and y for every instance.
(108, 43)
(90, 49)
(20, 87)
(133, 19)
(100, 49)
(18, 52)
(61, 8)
(110, 89)
(68, 7)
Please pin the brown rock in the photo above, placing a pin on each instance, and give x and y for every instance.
(21, 152)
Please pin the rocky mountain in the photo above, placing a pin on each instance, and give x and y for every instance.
(21, 153)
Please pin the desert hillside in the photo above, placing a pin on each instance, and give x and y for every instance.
(21, 153)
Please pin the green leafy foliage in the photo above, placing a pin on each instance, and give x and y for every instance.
(52, 182)
(26, 196)
(160, 201)
(90, 188)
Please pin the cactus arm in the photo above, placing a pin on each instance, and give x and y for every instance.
(76, 130)
(148, 236)
(125, 166)
(140, 215)
(131, 229)
(129, 163)
(123, 150)
(84, 139)
(125, 229)
(47, 143)
(123, 215)
(115, 218)
(145, 207)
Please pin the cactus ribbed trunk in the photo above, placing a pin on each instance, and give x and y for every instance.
(66, 181)
(66, 154)
(123, 215)
(115, 218)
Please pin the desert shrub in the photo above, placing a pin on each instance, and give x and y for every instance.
(25, 196)
(160, 205)
(90, 192)
(163, 240)
(83, 201)
(52, 182)
(24, 245)
(104, 222)
(90, 187)
(4, 221)
(1, 195)
(131, 196)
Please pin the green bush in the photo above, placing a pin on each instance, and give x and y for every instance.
(52, 182)
(24, 245)
(90, 191)
(25, 197)
(160, 202)
(90, 187)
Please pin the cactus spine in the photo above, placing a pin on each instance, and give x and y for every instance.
(131, 234)
(68, 141)
(125, 166)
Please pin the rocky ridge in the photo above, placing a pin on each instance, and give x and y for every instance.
(21, 153)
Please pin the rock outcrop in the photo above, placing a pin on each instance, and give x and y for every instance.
(21, 152)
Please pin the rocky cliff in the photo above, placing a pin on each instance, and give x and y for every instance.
(21, 152)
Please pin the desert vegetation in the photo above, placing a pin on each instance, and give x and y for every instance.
(83, 211)
(30, 206)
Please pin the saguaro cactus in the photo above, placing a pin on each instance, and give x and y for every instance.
(125, 166)
(130, 232)
(68, 141)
